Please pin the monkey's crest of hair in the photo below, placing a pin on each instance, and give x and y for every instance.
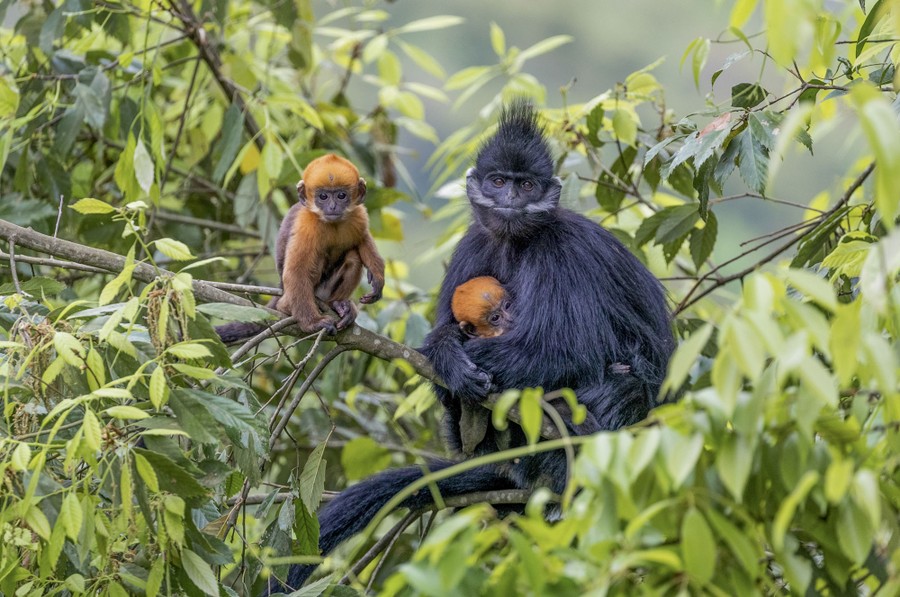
(474, 299)
(519, 145)
(330, 171)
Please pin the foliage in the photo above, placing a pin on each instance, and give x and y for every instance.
(129, 443)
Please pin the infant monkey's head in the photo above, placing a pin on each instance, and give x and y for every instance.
(481, 308)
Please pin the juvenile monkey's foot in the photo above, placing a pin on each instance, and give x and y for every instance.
(346, 313)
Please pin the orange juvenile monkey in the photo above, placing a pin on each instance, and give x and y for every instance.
(323, 244)
(481, 308)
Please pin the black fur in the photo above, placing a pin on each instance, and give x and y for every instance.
(581, 302)
(353, 509)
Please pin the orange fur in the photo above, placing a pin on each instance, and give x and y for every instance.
(321, 259)
(475, 301)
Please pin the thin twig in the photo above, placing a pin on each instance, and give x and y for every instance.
(59, 214)
(204, 223)
(12, 267)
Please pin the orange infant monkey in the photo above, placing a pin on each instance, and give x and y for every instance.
(323, 244)
(481, 308)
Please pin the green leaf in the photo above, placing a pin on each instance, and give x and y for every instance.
(156, 577)
(733, 463)
(698, 49)
(698, 547)
(542, 47)
(837, 478)
(363, 456)
(788, 508)
(703, 240)
(172, 477)
(868, 26)
(879, 123)
(680, 454)
(173, 249)
(306, 529)
(466, 77)
(312, 479)
(189, 350)
(855, 533)
(146, 473)
(811, 285)
(753, 161)
(741, 545)
(684, 358)
(71, 516)
(126, 412)
(20, 458)
(430, 24)
(532, 414)
(747, 95)
(70, 349)
(230, 142)
(92, 206)
(741, 12)
(159, 390)
(200, 573)
(143, 166)
(93, 431)
(498, 40)
(678, 222)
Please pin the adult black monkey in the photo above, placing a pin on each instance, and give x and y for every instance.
(584, 307)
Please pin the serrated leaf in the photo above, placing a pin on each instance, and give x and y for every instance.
(363, 456)
(312, 479)
(173, 249)
(143, 166)
(753, 161)
(93, 431)
(733, 463)
(71, 515)
(747, 95)
(230, 141)
(200, 573)
(189, 350)
(678, 222)
(171, 476)
(89, 205)
(69, 348)
(146, 473)
(20, 458)
(703, 240)
(126, 412)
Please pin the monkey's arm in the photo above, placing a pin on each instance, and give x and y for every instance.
(368, 252)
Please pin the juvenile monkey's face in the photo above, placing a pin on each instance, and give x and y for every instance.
(333, 203)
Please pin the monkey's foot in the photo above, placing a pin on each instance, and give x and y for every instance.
(346, 313)
(316, 325)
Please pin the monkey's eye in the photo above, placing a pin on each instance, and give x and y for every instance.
(498, 181)
(494, 319)
(342, 195)
(323, 196)
(527, 185)
(507, 305)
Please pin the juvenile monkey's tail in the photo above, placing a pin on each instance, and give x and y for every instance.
(231, 333)
(354, 508)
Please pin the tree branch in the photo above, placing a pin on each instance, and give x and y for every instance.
(353, 338)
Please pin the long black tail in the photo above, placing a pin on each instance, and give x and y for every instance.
(231, 333)
(354, 508)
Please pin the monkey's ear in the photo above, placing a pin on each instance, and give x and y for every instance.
(468, 329)
(361, 190)
(301, 192)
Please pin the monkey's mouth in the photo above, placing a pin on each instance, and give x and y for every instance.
(333, 217)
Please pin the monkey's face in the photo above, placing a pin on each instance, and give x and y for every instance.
(333, 203)
(511, 202)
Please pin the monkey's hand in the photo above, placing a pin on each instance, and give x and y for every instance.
(346, 312)
(463, 378)
(377, 287)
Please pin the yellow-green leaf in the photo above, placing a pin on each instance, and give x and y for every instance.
(126, 412)
(173, 249)
(90, 205)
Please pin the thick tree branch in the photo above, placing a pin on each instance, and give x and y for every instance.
(353, 338)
